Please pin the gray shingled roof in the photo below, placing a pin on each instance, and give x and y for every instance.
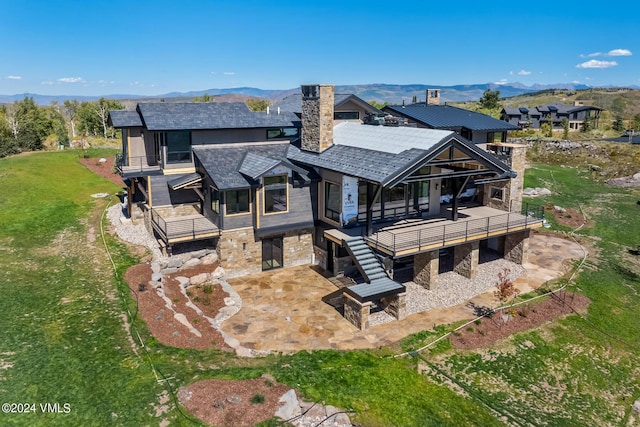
(392, 151)
(255, 165)
(224, 163)
(293, 103)
(448, 117)
(209, 115)
(124, 118)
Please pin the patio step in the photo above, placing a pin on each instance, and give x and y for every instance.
(365, 259)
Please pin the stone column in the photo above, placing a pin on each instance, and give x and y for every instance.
(357, 313)
(425, 269)
(465, 259)
(396, 306)
(516, 246)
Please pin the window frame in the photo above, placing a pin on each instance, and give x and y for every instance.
(226, 202)
(282, 132)
(324, 200)
(264, 194)
(337, 115)
(213, 190)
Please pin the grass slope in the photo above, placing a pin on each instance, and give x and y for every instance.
(582, 370)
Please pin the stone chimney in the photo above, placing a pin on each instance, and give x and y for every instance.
(317, 117)
(433, 96)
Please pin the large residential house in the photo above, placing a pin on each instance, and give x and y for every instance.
(346, 107)
(272, 189)
(552, 114)
(476, 127)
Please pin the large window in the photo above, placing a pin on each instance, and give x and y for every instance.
(237, 201)
(346, 115)
(332, 201)
(215, 199)
(275, 193)
(178, 147)
(275, 133)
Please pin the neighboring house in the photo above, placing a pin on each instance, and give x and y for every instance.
(271, 190)
(346, 107)
(476, 127)
(552, 114)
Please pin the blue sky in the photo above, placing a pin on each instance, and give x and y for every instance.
(97, 47)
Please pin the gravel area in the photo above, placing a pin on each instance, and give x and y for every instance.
(452, 289)
(132, 233)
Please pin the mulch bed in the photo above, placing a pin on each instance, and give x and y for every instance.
(503, 324)
(160, 319)
(228, 403)
(105, 170)
(570, 217)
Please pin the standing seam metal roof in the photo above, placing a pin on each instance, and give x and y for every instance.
(447, 117)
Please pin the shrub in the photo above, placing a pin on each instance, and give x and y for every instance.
(257, 398)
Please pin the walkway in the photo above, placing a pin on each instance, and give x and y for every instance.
(283, 310)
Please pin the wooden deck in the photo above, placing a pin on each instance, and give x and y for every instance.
(412, 236)
(183, 228)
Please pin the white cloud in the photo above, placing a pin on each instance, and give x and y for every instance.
(619, 52)
(576, 82)
(501, 82)
(14, 77)
(229, 73)
(524, 73)
(71, 80)
(597, 64)
(47, 83)
(590, 55)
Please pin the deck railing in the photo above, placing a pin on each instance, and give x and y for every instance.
(193, 227)
(136, 164)
(431, 237)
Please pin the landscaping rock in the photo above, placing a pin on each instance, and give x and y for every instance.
(209, 259)
(544, 191)
(175, 262)
(183, 281)
(155, 267)
(559, 209)
(192, 262)
(169, 270)
(199, 254)
(199, 279)
(290, 407)
(636, 406)
(218, 273)
(156, 277)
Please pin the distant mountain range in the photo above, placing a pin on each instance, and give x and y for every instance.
(394, 94)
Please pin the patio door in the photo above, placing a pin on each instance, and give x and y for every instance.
(271, 253)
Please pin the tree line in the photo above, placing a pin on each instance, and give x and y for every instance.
(26, 126)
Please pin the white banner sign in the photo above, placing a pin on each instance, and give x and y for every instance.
(349, 201)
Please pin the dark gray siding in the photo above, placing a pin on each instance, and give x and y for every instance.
(300, 211)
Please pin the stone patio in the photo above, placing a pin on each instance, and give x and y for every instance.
(283, 310)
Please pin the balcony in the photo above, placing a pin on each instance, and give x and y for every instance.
(411, 236)
(138, 166)
(182, 227)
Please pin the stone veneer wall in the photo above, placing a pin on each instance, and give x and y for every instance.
(240, 253)
(356, 313)
(518, 160)
(298, 248)
(320, 257)
(317, 119)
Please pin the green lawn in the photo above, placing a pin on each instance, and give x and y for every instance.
(64, 341)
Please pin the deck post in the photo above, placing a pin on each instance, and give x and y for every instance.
(465, 259)
(425, 268)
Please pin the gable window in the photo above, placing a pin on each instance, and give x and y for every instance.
(332, 200)
(346, 115)
(237, 201)
(215, 199)
(275, 133)
(275, 193)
